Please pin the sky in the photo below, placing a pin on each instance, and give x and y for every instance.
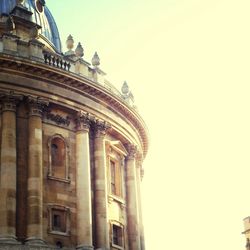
(187, 63)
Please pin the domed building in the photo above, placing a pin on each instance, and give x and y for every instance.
(71, 144)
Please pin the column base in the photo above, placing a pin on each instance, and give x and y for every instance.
(8, 240)
(81, 247)
(35, 242)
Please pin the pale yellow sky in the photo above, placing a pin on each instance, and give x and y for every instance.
(187, 62)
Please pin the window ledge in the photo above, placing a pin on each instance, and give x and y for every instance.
(117, 247)
(60, 233)
(58, 179)
(117, 199)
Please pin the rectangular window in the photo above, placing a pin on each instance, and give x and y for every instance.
(58, 220)
(113, 173)
(117, 236)
(115, 178)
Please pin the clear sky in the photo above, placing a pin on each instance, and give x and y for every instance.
(187, 63)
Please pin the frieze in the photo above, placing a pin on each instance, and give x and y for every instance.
(58, 119)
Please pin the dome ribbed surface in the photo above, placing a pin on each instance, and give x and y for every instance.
(44, 19)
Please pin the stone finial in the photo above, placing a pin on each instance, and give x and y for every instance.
(20, 2)
(125, 88)
(79, 50)
(70, 43)
(95, 60)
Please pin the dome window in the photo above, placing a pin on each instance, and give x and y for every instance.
(40, 5)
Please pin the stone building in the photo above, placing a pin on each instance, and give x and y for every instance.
(71, 144)
(247, 232)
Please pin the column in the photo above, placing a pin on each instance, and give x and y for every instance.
(35, 174)
(8, 169)
(83, 184)
(139, 173)
(132, 201)
(101, 203)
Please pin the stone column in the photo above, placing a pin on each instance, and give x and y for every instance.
(139, 175)
(83, 184)
(35, 174)
(8, 169)
(101, 188)
(132, 201)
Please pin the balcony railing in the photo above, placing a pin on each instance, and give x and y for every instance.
(56, 61)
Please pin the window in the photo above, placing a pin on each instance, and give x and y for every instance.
(59, 219)
(115, 178)
(40, 5)
(117, 236)
(112, 170)
(58, 158)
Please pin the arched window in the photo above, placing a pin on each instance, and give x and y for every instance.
(58, 154)
(58, 158)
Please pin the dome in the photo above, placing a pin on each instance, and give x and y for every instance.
(41, 16)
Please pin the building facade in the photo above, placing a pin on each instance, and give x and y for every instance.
(247, 232)
(71, 144)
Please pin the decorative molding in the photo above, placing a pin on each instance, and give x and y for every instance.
(83, 121)
(101, 128)
(58, 119)
(132, 150)
(36, 105)
(9, 100)
(81, 85)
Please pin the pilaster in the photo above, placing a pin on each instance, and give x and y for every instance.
(83, 183)
(35, 173)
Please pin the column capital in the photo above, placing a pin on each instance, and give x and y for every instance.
(139, 161)
(9, 101)
(101, 128)
(83, 121)
(132, 150)
(36, 105)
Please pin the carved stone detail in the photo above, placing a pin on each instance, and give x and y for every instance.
(9, 101)
(132, 150)
(83, 121)
(139, 160)
(37, 105)
(101, 128)
(58, 119)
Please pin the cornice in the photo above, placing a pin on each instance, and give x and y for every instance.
(76, 83)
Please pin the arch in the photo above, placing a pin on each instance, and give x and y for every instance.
(58, 149)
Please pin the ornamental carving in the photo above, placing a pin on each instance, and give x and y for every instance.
(9, 100)
(58, 119)
(132, 150)
(101, 127)
(37, 105)
(83, 120)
